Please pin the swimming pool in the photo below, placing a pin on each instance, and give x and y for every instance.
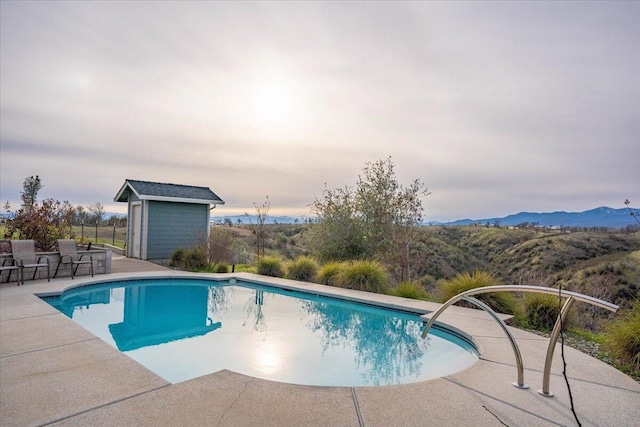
(185, 328)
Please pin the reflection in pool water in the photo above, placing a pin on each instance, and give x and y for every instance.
(182, 329)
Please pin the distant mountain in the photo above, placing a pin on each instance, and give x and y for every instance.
(253, 219)
(598, 217)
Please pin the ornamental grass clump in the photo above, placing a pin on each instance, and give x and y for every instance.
(189, 259)
(221, 267)
(622, 339)
(328, 273)
(363, 275)
(196, 259)
(270, 266)
(303, 268)
(541, 311)
(411, 290)
(177, 258)
(501, 302)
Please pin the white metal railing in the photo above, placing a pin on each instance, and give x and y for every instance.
(571, 298)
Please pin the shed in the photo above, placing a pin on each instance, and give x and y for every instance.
(165, 217)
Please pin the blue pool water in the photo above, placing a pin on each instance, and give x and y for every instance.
(185, 328)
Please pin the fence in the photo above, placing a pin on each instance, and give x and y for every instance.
(112, 235)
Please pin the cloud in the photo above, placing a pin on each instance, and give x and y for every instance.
(496, 107)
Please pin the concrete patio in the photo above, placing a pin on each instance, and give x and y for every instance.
(54, 372)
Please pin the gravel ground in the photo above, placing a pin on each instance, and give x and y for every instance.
(591, 348)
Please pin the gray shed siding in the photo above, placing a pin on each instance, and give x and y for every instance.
(173, 225)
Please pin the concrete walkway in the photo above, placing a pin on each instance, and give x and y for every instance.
(54, 372)
(122, 264)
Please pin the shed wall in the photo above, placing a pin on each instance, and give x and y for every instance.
(174, 225)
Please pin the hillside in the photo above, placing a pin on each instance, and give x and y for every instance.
(604, 264)
(598, 217)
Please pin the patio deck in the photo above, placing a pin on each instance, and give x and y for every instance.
(54, 372)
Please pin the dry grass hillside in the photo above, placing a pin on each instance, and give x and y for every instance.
(601, 263)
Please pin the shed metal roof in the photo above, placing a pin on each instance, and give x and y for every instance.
(146, 190)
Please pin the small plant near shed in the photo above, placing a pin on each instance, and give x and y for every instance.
(178, 258)
(189, 259)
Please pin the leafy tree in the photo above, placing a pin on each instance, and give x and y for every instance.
(390, 212)
(377, 219)
(338, 234)
(29, 195)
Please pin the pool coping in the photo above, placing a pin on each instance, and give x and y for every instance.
(52, 371)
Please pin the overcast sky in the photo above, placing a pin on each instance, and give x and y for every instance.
(498, 107)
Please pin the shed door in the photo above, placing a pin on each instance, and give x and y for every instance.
(135, 230)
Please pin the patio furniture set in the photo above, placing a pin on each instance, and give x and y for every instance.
(23, 256)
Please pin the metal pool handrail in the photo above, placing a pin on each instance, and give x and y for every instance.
(571, 298)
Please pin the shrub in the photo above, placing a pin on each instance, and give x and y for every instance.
(303, 268)
(178, 258)
(43, 222)
(622, 338)
(541, 311)
(363, 275)
(221, 245)
(501, 302)
(189, 259)
(196, 259)
(245, 268)
(329, 272)
(411, 290)
(270, 266)
(221, 267)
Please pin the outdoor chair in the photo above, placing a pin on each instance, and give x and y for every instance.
(69, 255)
(13, 265)
(24, 255)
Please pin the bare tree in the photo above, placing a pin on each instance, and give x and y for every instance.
(261, 212)
(633, 213)
(98, 211)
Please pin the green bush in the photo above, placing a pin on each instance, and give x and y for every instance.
(501, 302)
(189, 259)
(177, 258)
(270, 266)
(541, 311)
(245, 268)
(303, 268)
(196, 259)
(221, 267)
(411, 290)
(363, 275)
(622, 338)
(329, 273)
